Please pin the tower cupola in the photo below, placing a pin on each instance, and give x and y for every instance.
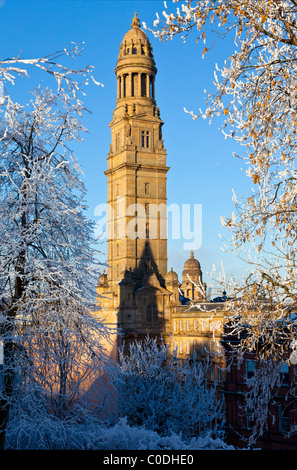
(136, 67)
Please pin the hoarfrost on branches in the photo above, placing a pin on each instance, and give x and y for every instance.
(161, 392)
(256, 98)
(50, 333)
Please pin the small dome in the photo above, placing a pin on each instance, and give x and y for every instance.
(135, 43)
(171, 277)
(102, 279)
(192, 267)
(135, 32)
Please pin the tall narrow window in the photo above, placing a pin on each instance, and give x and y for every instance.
(147, 139)
(146, 188)
(284, 419)
(203, 348)
(142, 138)
(180, 346)
(250, 367)
(188, 347)
(284, 373)
(143, 84)
(151, 88)
(133, 84)
(152, 313)
(124, 85)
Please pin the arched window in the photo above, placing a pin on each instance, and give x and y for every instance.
(152, 313)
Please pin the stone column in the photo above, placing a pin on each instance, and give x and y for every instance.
(147, 85)
(139, 83)
(119, 88)
(122, 86)
(129, 85)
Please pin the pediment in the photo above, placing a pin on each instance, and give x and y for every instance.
(150, 289)
(144, 117)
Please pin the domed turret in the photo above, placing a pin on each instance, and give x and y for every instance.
(172, 284)
(136, 68)
(192, 286)
(136, 43)
(192, 269)
(102, 281)
(171, 278)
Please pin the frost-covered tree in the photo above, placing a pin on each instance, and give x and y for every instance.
(163, 393)
(49, 333)
(255, 94)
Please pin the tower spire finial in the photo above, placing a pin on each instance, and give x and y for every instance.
(135, 21)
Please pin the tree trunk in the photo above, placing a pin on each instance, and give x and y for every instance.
(8, 380)
(9, 350)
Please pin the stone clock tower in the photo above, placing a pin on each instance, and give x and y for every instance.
(136, 194)
(136, 174)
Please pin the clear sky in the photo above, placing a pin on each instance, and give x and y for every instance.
(203, 169)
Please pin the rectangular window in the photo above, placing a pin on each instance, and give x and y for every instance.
(180, 325)
(284, 419)
(133, 82)
(145, 139)
(124, 85)
(250, 367)
(188, 325)
(117, 141)
(188, 347)
(250, 420)
(180, 347)
(146, 188)
(143, 84)
(203, 348)
(284, 373)
(174, 325)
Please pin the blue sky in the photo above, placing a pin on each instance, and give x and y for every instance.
(203, 169)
